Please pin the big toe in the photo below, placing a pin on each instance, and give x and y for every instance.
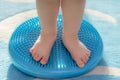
(31, 50)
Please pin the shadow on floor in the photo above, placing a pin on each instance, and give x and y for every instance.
(14, 74)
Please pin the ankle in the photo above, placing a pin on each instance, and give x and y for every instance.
(49, 32)
(69, 37)
(69, 34)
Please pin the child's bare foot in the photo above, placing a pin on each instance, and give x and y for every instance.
(42, 47)
(78, 51)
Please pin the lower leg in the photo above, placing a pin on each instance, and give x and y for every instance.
(47, 12)
(72, 16)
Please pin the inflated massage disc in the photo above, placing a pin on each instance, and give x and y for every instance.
(60, 64)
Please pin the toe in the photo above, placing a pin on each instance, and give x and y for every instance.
(36, 56)
(80, 63)
(88, 53)
(33, 53)
(31, 50)
(84, 59)
(44, 60)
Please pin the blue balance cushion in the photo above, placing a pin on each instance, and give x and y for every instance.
(60, 64)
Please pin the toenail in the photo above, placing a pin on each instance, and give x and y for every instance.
(30, 50)
(88, 54)
(81, 65)
(85, 60)
(33, 53)
(43, 62)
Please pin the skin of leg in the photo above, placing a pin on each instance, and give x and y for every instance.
(72, 16)
(47, 12)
